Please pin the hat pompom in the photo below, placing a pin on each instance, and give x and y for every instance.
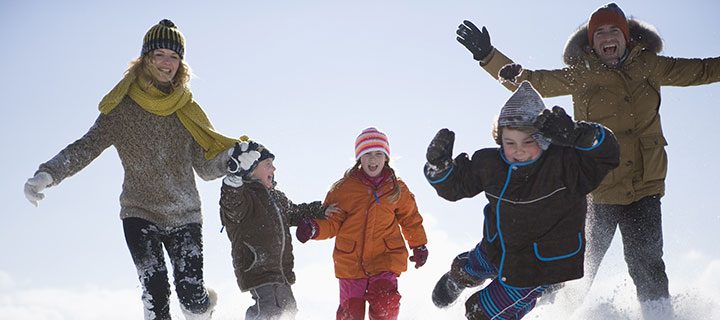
(167, 23)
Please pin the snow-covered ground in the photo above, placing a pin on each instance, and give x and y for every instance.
(694, 280)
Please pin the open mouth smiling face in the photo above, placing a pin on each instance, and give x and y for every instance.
(167, 63)
(609, 44)
(373, 163)
(265, 173)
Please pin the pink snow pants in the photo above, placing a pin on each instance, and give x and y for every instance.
(380, 291)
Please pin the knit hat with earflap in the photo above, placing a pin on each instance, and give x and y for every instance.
(164, 35)
(521, 110)
(369, 140)
(609, 14)
(245, 156)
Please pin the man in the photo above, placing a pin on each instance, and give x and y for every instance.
(614, 74)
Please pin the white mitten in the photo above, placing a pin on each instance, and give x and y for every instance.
(233, 180)
(241, 158)
(247, 159)
(35, 185)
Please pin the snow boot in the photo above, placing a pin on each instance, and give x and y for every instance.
(446, 291)
(660, 309)
(207, 315)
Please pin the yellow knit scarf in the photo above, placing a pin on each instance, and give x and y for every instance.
(180, 101)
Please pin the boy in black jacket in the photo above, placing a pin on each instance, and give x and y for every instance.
(536, 184)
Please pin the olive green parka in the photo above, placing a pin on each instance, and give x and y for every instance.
(625, 98)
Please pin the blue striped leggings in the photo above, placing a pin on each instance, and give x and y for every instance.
(497, 301)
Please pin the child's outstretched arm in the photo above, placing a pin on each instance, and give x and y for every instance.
(297, 212)
(596, 150)
(309, 228)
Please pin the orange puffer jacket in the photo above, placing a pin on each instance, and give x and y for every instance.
(369, 239)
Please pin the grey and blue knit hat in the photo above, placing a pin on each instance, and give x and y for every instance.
(521, 110)
(164, 35)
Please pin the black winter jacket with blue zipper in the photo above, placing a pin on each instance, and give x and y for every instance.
(534, 223)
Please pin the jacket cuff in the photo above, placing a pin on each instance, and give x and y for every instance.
(599, 138)
(435, 174)
(487, 59)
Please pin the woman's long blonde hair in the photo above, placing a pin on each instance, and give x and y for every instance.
(393, 197)
(146, 72)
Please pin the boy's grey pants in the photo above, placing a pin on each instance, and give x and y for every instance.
(272, 301)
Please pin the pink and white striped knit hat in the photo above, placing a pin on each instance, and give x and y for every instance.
(369, 140)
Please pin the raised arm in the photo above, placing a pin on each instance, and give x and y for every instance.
(596, 150)
(686, 72)
(550, 83)
(452, 179)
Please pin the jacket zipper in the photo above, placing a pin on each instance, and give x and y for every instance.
(376, 199)
(282, 232)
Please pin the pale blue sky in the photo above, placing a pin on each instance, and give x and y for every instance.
(304, 78)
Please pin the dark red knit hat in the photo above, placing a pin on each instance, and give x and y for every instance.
(608, 14)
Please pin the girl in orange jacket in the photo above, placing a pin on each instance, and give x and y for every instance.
(378, 214)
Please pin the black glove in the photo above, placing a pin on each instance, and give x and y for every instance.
(478, 42)
(509, 72)
(439, 152)
(561, 130)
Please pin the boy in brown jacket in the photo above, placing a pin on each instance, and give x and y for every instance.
(258, 219)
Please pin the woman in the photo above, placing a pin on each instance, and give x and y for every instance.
(161, 135)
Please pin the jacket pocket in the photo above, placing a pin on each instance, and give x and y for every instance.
(394, 243)
(558, 249)
(344, 245)
(246, 257)
(654, 157)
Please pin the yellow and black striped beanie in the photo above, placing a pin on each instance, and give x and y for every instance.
(164, 35)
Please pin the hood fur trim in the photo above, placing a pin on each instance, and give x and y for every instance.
(641, 34)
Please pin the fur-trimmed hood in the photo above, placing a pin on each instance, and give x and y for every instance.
(641, 34)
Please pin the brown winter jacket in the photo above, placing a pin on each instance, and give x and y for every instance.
(368, 235)
(158, 156)
(534, 221)
(258, 220)
(626, 99)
